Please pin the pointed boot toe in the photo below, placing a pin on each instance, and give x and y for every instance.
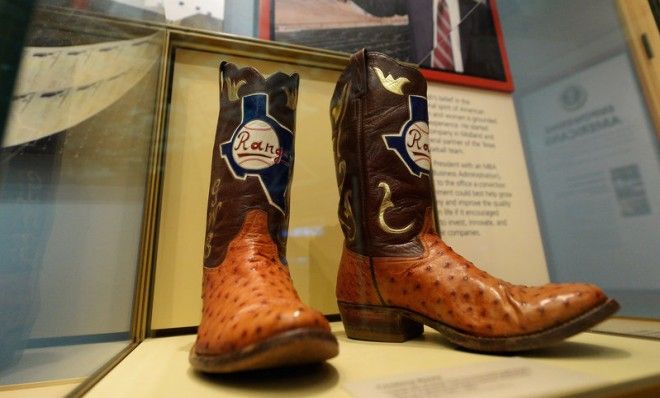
(252, 317)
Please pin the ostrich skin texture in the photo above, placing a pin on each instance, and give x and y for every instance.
(250, 295)
(394, 264)
(355, 283)
(442, 285)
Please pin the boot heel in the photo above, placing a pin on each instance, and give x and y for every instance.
(367, 322)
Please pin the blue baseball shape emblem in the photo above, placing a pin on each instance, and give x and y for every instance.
(261, 147)
(411, 144)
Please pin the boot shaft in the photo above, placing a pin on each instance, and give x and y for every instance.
(381, 144)
(253, 156)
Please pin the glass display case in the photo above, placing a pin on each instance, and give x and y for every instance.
(543, 143)
(77, 149)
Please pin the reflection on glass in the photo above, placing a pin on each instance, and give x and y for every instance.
(73, 169)
(591, 147)
(197, 14)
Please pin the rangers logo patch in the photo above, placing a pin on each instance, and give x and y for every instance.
(411, 144)
(261, 147)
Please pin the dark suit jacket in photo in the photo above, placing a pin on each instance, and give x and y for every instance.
(479, 46)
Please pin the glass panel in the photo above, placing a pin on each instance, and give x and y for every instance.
(592, 150)
(314, 238)
(73, 173)
(231, 16)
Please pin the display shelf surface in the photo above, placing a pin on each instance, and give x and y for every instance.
(57, 389)
(631, 327)
(45, 364)
(159, 367)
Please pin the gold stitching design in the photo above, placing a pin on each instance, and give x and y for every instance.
(291, 98)
(346, 218)
(390, 83)
(214, 208)
(340, 105)
(232, 89)
(386, 204)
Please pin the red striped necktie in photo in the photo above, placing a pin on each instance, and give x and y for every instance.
(443, 57)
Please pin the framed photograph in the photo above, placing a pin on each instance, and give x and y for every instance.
(453, 41)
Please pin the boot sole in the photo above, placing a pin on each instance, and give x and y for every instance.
(295, 347)
(394, 324)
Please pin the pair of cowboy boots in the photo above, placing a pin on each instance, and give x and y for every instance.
(395, 275)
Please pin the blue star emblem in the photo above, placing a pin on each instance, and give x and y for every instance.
(261, 147)
(411, 144)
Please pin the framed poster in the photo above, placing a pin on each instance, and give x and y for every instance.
(454, 41)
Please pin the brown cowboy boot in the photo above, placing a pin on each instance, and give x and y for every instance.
(396, 274)
(252, 316)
